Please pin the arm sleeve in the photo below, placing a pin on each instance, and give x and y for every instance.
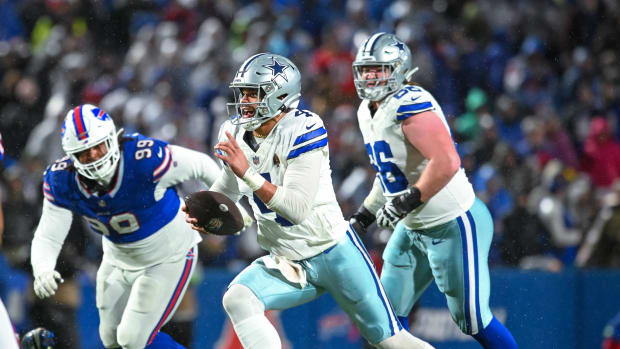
(293, 200)
(189, 164)
(375, 199)
(227, 184)
(49, 237)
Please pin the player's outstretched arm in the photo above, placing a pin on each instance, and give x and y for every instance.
(48, 240)
(190, 164)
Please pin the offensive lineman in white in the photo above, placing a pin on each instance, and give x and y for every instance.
(441, 230)
(288, 181)
(123, 185)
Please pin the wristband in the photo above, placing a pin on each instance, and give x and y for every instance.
(253, 179)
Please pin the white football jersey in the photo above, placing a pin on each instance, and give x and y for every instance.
(399, 164)
(296, 134)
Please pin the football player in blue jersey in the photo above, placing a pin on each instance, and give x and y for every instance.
(8, 338)
(124, 186)
(441, 230)
(312, 249)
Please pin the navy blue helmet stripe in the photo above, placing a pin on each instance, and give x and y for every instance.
(250, 61)
(372, 48)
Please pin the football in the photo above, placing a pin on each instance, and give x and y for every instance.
(215, 212)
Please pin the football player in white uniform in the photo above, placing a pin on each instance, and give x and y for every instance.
(8, 338)
(442, 231)
(312, 249)
(124, 186)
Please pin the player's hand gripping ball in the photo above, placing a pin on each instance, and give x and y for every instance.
(215, 212)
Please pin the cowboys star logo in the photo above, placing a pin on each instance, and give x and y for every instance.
(277, 69)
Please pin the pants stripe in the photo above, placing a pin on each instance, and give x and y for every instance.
(395, 325)
(189, 264)
(470, 272)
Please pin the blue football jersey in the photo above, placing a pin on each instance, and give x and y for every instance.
(129, 211)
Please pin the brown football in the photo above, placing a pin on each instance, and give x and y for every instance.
(215, 212)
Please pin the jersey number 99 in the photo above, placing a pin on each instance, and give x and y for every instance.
(123, 223)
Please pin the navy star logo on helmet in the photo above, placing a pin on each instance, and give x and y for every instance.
(400, 45)
(277, 69)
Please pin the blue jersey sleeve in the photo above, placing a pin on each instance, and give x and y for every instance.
(150, 156)
(56, 186)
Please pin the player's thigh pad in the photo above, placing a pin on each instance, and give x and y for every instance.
(112, 293)
(398, 250)
(155, 295)
(406, 272)
(347, 272)
(459, 261)
(273, 289)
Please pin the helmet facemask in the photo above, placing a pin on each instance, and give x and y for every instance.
(375, 89)
(102, 169)
(262, 110)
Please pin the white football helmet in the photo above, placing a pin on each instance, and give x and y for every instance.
(278, 82)
(386, 51)
(86, 126)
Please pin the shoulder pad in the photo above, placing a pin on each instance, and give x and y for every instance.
(55, 178)
(146, 155)
(308, 133)
(410, 100)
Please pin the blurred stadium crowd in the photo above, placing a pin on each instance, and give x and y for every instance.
(531, 89)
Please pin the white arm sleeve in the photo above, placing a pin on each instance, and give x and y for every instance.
(227, 184)
(189, 164)
(375, 199)
(293, 200)
(51, 233)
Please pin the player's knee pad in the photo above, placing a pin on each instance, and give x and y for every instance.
(403, 339)
(240, 303)
(130, 337)
(108, 336)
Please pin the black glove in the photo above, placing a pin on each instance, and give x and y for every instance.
(397, 208)
(361, 220)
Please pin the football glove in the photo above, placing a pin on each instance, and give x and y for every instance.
(397, 208)
(361, 220)
(45, 284)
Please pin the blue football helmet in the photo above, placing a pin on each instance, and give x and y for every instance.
(39, 338)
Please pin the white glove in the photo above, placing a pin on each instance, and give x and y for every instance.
(388, 215)
(45, 284)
